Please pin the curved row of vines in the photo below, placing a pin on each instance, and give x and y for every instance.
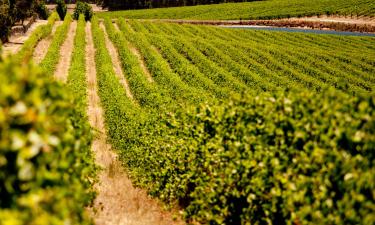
(244, 126)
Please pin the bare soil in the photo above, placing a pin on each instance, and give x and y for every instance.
(41, 49)
(135, 52)
(361, 24)
(17, 40)
(338, 19)
(323, 18)
(116, 26)
(97, 8)
(62, 68)
(142, 63)
(118, 201)
(116, 63)
(20, 27)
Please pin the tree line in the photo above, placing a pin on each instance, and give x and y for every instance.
(144, 4)
(13, 11)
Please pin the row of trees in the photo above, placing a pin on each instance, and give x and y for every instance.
(13, 11)
(142, 4)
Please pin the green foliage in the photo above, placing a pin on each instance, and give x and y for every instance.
(188, 73)
(22, 10)
(83, 8)
(256, 58)
(77, 73)
(292, 158)
(6, 20)
(41, 10)
(269, 9)
(299, 158)
(221, 77)
(18, 10)
(61, 9)
(49, 63)
(160, 69)
(274, 156)
(46, 171)
(24, 55)
(142, 4)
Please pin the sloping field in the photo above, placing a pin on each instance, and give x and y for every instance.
(271, 60)
(225, 126)
(262, 158)
(269, 9)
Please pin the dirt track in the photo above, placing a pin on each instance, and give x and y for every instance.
(337, 19)
(141, 61)
(66, 51)
(116, 63)
(16, 41)
(118, 201)
(41, 48)
(362, 24)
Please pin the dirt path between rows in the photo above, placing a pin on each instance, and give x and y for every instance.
(116, 63)
(66, 50)
(336, 23)
(117, 202)
(137, 54)
(41, 48)
(116, 26)
(337, 19)
(16, 41)
(142, 63)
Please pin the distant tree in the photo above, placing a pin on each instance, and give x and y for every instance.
(83, 8)
(12, 11)
(6, 20)
(41, 9)
(23, 9)
(61, 9)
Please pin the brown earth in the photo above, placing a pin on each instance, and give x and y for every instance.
(66, 50)
(116, 63)
(20, 27)
(337, 19)
(141, 60)
(118, 201)
(116, 27)
(41, 48)
(142, 63)
(16, 40)
(361, 24)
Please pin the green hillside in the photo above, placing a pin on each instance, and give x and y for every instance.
(255, 10)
